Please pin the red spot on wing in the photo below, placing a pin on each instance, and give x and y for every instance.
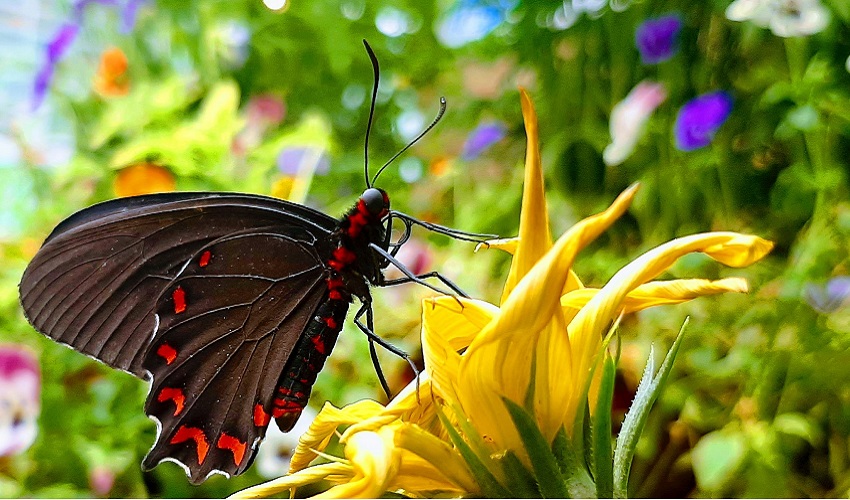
(186, 433)
(334, 295)
(261, 418)
(175, 395)
(167, 352)
(332, 324)
(228, 442)
(205, 258)
(179, 296)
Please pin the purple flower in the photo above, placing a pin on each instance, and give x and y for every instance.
(291, 160)
(700, 118)
(56, 50)
(128, 15)
(480, 139)
(20, 388)
(828, 298)
(656, 38)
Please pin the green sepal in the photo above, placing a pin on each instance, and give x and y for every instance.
(575, 475)
(540, 454)
(488, 483)
(649, 388)
(603, 468)
(522, 482)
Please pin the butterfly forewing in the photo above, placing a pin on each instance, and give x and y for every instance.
(225, 333)
(92, 284)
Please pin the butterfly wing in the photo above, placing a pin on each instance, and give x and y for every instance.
(93, 283)
(228, 323)
(205, 294)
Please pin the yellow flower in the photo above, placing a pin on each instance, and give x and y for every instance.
(455, 434)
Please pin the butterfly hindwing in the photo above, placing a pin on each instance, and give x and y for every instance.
(228, 323)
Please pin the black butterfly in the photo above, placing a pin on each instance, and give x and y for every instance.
(228, 303)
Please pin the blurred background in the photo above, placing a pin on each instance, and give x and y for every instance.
(734, 115)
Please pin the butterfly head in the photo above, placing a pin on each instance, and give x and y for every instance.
(376, 201)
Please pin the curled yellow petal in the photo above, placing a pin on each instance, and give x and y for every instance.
(300, 478)
(585, 330)
(375, 461)
(534, 236)
(324, 426)
(658, 293)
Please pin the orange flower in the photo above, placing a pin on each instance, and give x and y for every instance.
(111, 79)
(143, 178)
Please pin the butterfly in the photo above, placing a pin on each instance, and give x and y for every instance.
(228, 303)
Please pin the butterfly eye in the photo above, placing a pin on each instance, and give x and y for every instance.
(375, 200)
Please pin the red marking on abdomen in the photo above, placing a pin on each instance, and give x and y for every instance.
(186, 433)
(173, 394)
(344, 255)
(290, 408)
(167, 352)
(205, 258)
(227, 442)
(319, 344)
(261, 418)
(179, 296)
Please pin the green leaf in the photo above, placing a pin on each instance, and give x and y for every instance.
(539, 452)
(576, 476)
(490, 486)
(649, 388)
(716, 458)
(603, 457)
(522, 482)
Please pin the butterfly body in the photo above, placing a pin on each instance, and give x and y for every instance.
(228, 304)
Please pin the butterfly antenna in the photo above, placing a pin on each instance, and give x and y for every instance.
(414, 141)
(377, 77)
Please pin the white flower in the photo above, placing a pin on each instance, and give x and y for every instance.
(628, 120)
(786, 18)
(273, 457)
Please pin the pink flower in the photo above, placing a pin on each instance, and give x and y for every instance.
(628, 120)
(20, 389)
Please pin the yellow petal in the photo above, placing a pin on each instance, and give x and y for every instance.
(307, 476)
(324, 426)
(504, 244)
(433, 451)
(417, 476)
(498, 361)
(375, 461)
(534, 236)
(657, 293)
(586, 329)
(448, 327)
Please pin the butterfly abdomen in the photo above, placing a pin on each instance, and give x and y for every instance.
(305, 363)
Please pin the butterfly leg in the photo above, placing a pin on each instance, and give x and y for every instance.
(412, 278)
(369, 331)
